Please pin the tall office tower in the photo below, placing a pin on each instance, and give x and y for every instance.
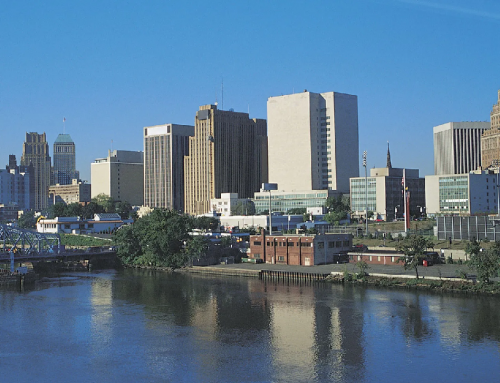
(120, 175)
(164, 149)
(457, 147)
(313, 141)
(64, 160)
(490, 142)
(228, 154)
(36, 153)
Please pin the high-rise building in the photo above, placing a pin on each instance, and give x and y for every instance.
(36, 153)
(457, 147)
(120, 176)
(490, 142)
(64, 170)
(164, 149)
(228, 154)
(313, 141)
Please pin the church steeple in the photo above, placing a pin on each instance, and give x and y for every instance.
(389, 165)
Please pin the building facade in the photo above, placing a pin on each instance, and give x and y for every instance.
(164, 149)
(36, 154)
(284, 201)
(490, 141)
(382, 193)
(457, 147)
(228, 154)
(64, 169)
(102, 223)
(77, 192)
(473, 193)
(120, 175)
(313, 141)
(225, 205)
(300, 250)
(15, 188)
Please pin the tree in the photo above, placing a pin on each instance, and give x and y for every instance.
(413, 248)
(91, 209)
(243, 208)
(105, 201)
(337, 209)
(205, 223)
(27, 220)
(485, 262)
(73, 210)
(123, 208)
(196, 247)
(57, 210)
(297, 211)
(157, 239)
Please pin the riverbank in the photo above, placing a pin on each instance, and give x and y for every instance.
(443, 278)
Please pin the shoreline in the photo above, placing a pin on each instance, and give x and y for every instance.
(347, 274)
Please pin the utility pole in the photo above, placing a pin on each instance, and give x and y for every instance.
(366, 192)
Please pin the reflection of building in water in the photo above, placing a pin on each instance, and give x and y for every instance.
(307, 327)
(101, 300)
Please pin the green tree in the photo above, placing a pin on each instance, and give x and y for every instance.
(123, 208)
(57, 210)
(105, 201)
(297, 211)
(413, 247)
(27, 220)
(157, 239)
(205, 223)
(196, 247)
(337, 209)
(91, 209)
(486, 263)
(335, 217)
(243, 208)
(73, 210)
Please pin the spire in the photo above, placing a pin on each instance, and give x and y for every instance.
(389, 165)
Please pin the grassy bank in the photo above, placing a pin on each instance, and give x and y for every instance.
(462, 286)
(75, 240)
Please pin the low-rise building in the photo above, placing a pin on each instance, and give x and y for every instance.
(77, 192)
(283, 201)
(300, 250)
(473, 193)
(228, 202)
(102, 223)
(382, 193)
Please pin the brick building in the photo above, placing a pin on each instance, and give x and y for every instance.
(300, 250)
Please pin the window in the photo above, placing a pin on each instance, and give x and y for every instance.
(281, 258)
(321, 245)
(256, 256)
(331, 245)
(291, 244)
(257, 243)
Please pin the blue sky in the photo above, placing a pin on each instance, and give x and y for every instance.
(112, 67)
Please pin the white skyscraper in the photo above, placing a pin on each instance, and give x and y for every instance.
(457, 147)
(313, 141)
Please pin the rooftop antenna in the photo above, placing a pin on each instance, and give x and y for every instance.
(111, 146)
(64, 125)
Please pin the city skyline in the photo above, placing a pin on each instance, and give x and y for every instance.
(111, 71)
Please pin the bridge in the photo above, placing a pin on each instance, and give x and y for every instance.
(22, 245)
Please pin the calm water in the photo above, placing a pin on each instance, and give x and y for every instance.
(153, 327)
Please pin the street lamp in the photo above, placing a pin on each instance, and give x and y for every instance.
(268, 187)
(366, 192)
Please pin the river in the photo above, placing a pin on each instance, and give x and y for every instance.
(145, 326)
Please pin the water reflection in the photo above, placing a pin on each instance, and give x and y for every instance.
(155, 326)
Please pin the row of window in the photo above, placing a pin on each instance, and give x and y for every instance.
(321, 245)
